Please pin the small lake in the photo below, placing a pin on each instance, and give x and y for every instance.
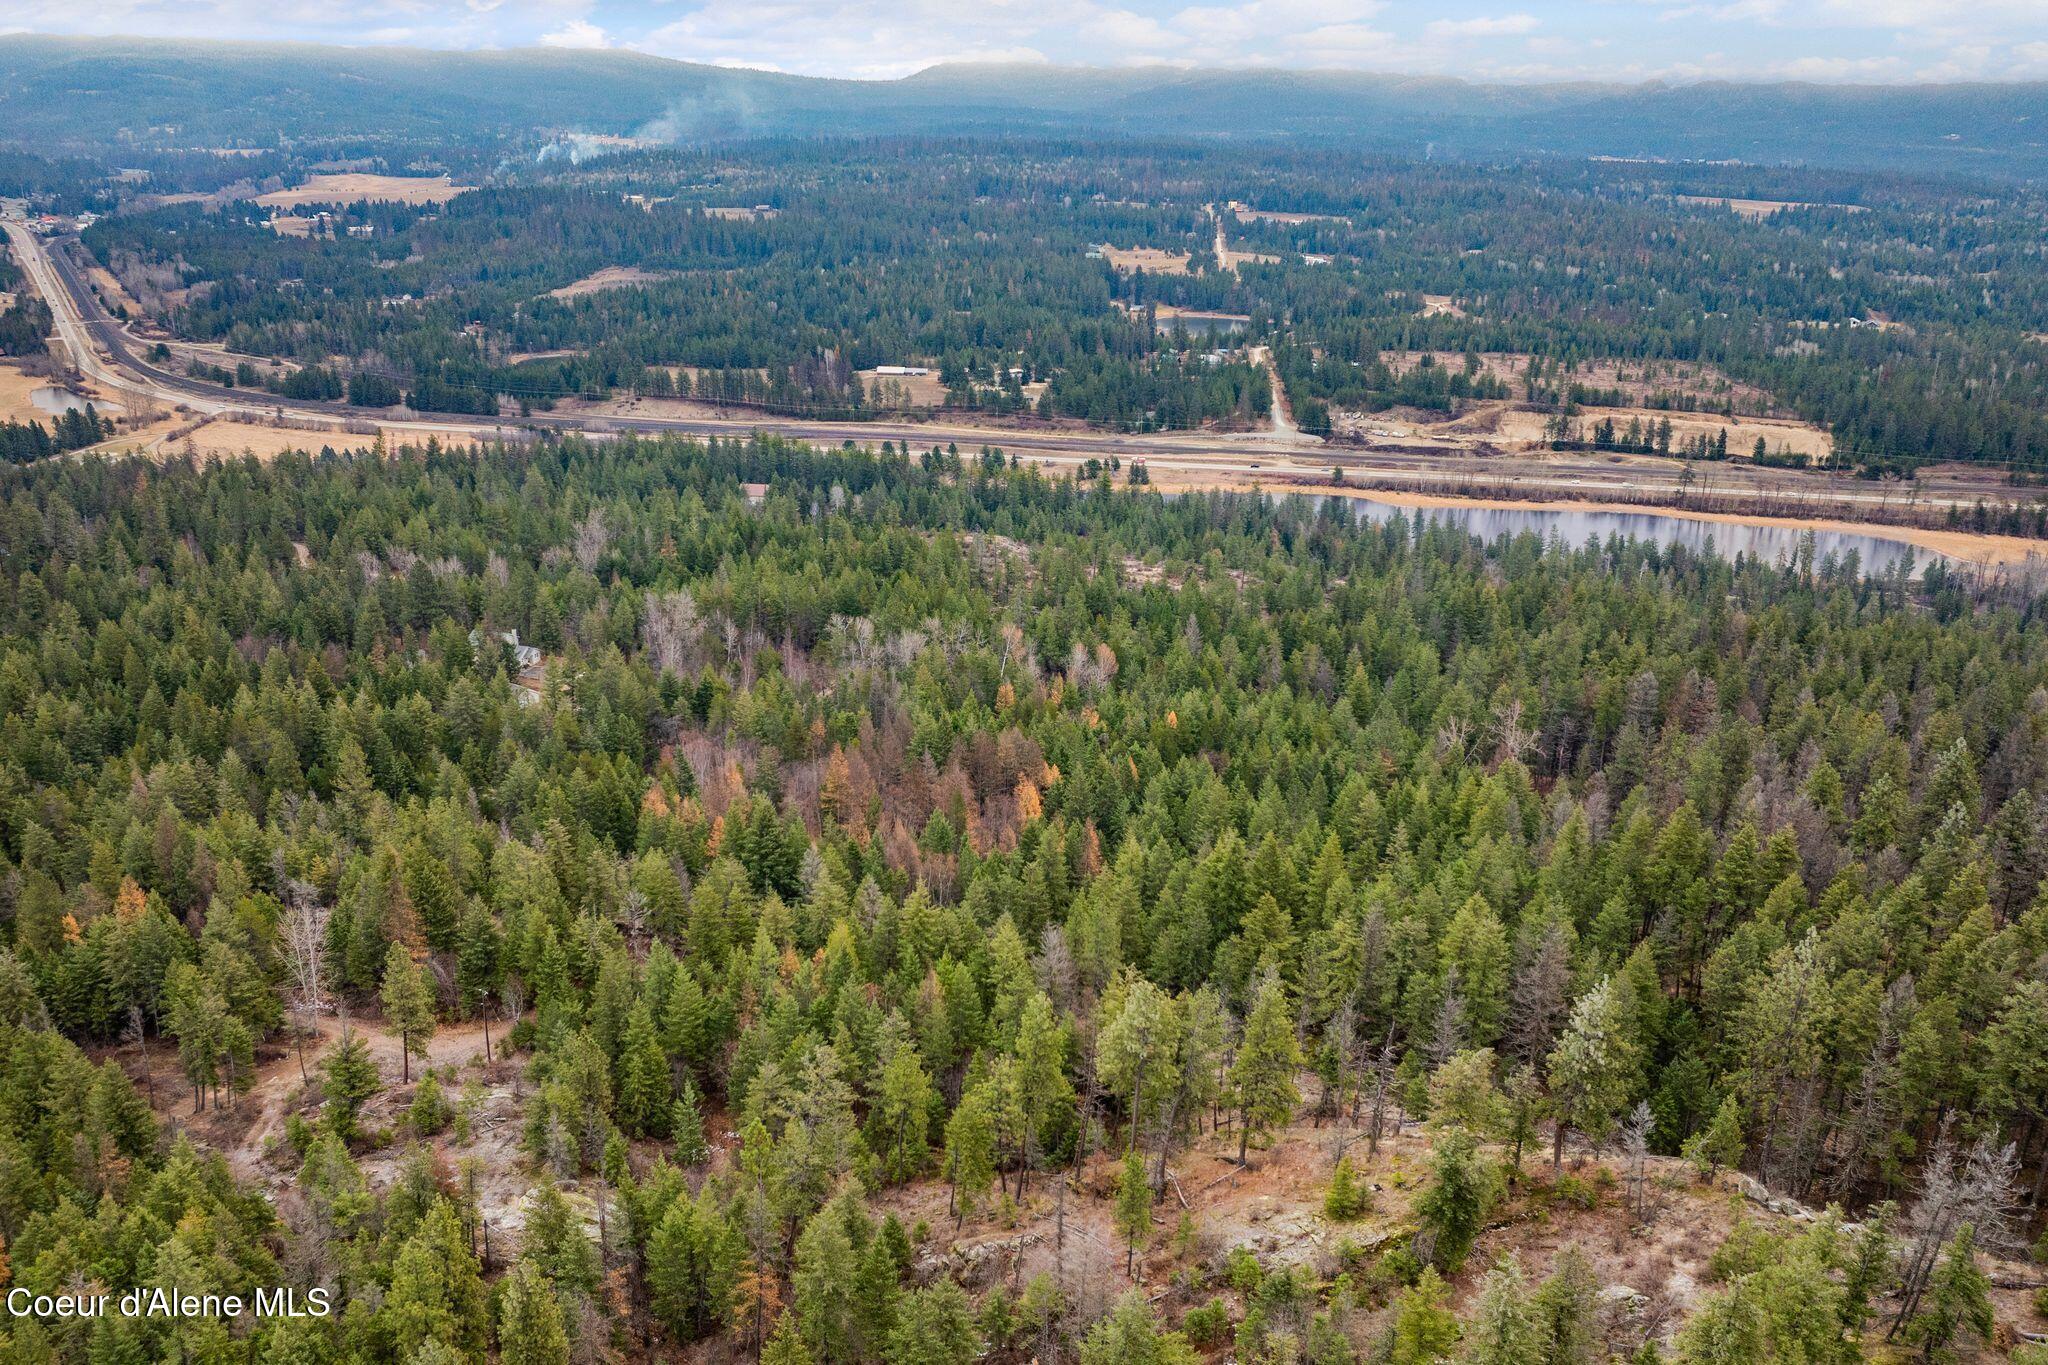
(1728, 539)
(55, 401)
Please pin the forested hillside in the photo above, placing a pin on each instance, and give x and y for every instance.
(155, 93)
(927, 847)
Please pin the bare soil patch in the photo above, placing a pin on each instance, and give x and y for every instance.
(1251, 215)
(351, 187)
(111, 291)
(903, 390)
(1150, 259)
(1521, 425)
(611, 277)
(1637, 380)
(1759, 209)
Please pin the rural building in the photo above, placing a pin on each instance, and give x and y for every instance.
(903, 369)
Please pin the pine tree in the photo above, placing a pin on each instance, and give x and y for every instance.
(822, 1285)
(901, 1121)
(1454, 1208)
(1566, 1307)
(1503, 1328)
(529, 1320)
(1133, 1207)
(408, 1006)
(646, 1100)
(432, 892)
(1719, 1143)
(1958, 1300)
(349, 1078)
(437, 1292)
(1348, 1197)
(1591, 1067)
(876, 1291)
(935, 1326)
(478, 950)
(1424, 1330)
(1262, 1077)
(686, 1127)
(970, 1152)
(785, 1344)
(1131, 1335)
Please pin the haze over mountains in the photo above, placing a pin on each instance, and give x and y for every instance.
(74, 94)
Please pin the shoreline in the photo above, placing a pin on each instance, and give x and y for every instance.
(1980, 549)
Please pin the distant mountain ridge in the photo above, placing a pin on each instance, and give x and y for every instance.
(73, 93)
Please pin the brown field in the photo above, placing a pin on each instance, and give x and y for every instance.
(916, 390)
(350, 187)
(1638, 380)
(742, 214)
(521, 357)
(1233, 259)
(611, 277)
(291, 225)
(177, 436)
(1245, 215)
(110, 289)
(1149, 259)
(1758, 209)
(15, 388)
(1441, 305)
(1811, 441)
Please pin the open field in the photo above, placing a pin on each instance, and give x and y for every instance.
(611, 277)
(16, 386)
(352, 187)
(1520, 425)
(111, 290)
(1251, 215)
(1758, 209)
(1150, 259)
(741, 214)
(1636, 379)
(1441, 305)
(917, 390)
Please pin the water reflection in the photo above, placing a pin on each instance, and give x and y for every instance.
(1771, 544)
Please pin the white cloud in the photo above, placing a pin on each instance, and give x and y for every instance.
(576, 33)
(1837, 40)
(1485, 26)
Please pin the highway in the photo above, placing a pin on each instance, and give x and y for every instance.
(103, 351)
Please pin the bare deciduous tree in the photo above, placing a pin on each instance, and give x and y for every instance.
(305, 951)
(673, 632)
(1635, 1150)
(1539, 996)
(1979, 1188)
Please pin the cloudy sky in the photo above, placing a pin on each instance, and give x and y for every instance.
(1830, 40)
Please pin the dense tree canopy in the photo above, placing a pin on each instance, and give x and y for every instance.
(934, 824)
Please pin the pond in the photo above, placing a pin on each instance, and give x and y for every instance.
(1575, 527)
(55, 401)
